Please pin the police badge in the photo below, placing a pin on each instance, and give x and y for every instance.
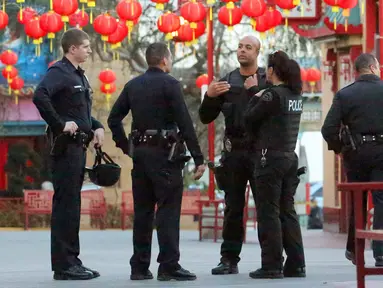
(227, 145)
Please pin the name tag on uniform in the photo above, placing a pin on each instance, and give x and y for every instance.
(293, 106)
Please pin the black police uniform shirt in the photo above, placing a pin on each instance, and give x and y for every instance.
(63, 95)
(156, 101)
(359, 106)
(232, 103)
(273, 120)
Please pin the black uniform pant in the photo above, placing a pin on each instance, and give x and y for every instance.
(68, 175)
(239, 169)
(278, 225)
(366, 165)
(156, 181)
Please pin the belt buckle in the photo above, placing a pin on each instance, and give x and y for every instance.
(227, 144)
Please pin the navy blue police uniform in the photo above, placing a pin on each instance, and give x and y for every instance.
(273, 122)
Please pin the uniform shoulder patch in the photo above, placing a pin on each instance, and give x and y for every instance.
(267, 96)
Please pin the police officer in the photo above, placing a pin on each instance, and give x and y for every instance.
(273, 121)
(63, 98)
(230, 96)
(358, 108)
(158, 109)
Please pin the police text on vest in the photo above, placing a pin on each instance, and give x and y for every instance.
(295, 105)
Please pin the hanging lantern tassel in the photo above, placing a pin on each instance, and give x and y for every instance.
(335, 9)
(37, 43)
(160, 6)
(104, 38)
(108, 96)
(51, 36)
(3, 5)
(312, 85)
(211, 13)
(210, 2)
(286, 13)
(362, 7)
(253, 23)
(51, 4)
(17, 97)
(91, 5)
(346, 14)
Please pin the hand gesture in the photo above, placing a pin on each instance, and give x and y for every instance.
(217, 88)
(251, 81)
(70, 127)
(198, 172)
(98, 138)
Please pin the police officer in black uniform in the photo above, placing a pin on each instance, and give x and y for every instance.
(158, 109)
(230, 96)
(272, 119)
(63, 98)
(358, 108)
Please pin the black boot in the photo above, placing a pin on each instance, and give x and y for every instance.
(138, 275)
(76, 272)
(225, 268)
(180, 274)
(294, 273)
(266, 274)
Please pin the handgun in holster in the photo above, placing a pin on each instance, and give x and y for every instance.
(219, 174)
(347, 139)
(132, 138)
(177, 151)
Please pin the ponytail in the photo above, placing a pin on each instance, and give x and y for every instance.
(294, 79)
(287, 70)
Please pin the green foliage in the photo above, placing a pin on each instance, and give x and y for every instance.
(23, 164)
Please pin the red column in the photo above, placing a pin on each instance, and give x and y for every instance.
(211, 128)
(381, 36)
(3, 161)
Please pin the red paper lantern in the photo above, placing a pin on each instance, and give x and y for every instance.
(79, 19)
(274, 17)
(8, 58)
(200, 30)
(9, 73)
(263, 24)
(26, 14)
(253, 8)
(4, 19)
(17, 83)
(287, 4)
(51, 23)
(185, 33)
(118, 35)
(107, 76)
(65, 8)
(108, 88)
(168, 23)
(105, 24)
(313, 75)
(193, 12)
(230, 15)
(202, 80)
(33, 29)
(303, 74)
(160, 4)
(347, 4)
(129, 10)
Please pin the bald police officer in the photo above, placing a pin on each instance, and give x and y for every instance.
(230, 96)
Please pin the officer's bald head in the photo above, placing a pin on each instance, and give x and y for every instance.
(248, 50)
(367, 63)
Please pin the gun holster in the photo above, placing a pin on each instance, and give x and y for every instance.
(177, 152)
(219, 174)
(349, 143)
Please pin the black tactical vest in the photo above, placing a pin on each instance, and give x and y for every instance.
(280, 132)
(236, 101)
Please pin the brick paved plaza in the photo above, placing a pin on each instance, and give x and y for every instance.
(25, 262)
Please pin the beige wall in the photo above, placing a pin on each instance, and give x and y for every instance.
(100, 112)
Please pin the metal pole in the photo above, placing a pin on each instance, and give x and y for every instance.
(211, 128)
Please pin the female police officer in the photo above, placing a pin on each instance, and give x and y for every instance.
(272, 118)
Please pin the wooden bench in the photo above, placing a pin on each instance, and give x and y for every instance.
(189, 204)
(39, 202)
(361, 234)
